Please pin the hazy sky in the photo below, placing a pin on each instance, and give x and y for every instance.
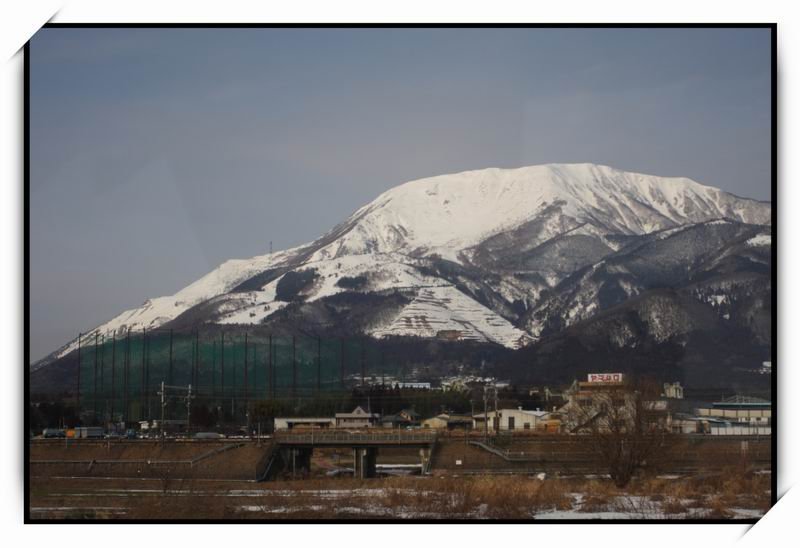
(157, 154)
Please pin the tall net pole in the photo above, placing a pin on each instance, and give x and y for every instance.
(143, 387)
(113, 371)
(214, 372)
(245, 369)
(78, 387)
(94, 405)
(222, 368)
(126, 377)
(341, 366)
(169, 378)
(319, 364)
(271, 370)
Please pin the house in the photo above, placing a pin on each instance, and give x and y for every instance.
(673, 390)
(296, 423)
(404, 419)
(739, 409)
(446, 421)
(513, 419)
(358, 418)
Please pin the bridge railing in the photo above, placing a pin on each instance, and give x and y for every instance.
(355, 437)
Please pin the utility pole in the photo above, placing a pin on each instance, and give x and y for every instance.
(189, 398)
(319, 364)
(163, 395)
(471, 416)
(496, 423)
(485, 416)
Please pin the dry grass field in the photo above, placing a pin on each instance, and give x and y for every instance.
(727, 494)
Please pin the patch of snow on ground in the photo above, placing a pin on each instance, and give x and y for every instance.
(761, 239)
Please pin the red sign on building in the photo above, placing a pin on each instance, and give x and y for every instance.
(605, 377)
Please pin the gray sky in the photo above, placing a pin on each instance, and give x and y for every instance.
(157, 154)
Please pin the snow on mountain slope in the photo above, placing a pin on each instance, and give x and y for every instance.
(156, 312)
(450, 216)
(375, 272)
(445, 308)
(450, 213)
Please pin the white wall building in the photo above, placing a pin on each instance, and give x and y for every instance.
(290, 423)
(511, 419)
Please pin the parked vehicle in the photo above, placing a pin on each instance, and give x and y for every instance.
(208, 436)
(89, 432)
(53, 433)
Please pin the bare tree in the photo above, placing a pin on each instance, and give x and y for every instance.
(624, 425)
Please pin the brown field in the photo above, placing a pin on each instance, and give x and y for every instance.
(199, 480)
(727, 494)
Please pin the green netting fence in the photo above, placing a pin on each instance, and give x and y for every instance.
(120, 376)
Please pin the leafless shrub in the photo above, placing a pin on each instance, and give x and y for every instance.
(622, 427)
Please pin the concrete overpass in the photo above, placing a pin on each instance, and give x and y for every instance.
(291, 451)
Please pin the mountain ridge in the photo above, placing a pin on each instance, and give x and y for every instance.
(478, 222)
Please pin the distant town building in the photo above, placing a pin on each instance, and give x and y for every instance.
(512, 419)
(604, 398)
(446, 421)
(673, 390)
(420, 385)
(358, 418)
(739, 409)
(404, 419)
(292, 423)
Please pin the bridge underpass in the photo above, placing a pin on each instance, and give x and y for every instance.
(292, 451)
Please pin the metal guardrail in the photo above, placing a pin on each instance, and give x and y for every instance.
(323, 438)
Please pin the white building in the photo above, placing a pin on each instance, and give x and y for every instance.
(511, 419)
(291, 423)
(673, 390)
(358, 418)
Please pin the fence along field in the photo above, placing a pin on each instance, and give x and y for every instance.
(119, 377)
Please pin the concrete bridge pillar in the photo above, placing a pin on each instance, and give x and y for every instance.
(298, 460)
(364, 462)
(424, 457)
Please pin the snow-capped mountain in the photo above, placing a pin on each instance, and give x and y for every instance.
(496, 255)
